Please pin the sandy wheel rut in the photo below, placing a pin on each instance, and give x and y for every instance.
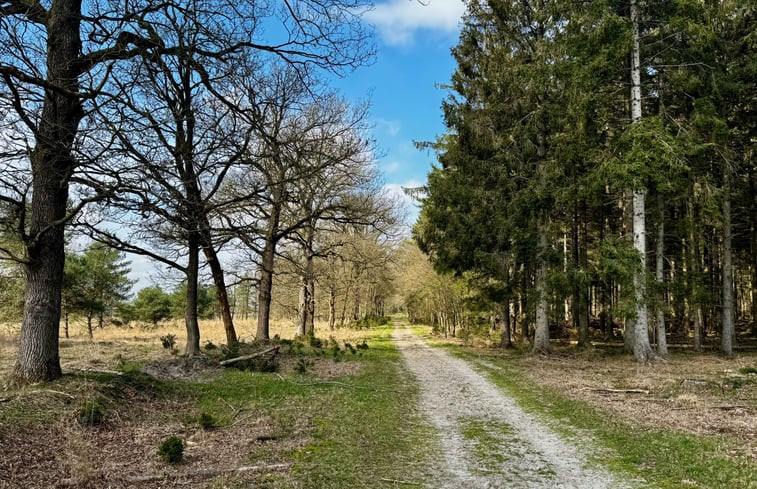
(486, 439)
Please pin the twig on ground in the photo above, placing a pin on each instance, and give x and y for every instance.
(729, 407)
(395, 481)
(98, 371)
(228, 404)
(196, 473)
(49, 391)
(621, 391)
(241, 419)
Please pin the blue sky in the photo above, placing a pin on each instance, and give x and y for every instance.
(414, 41)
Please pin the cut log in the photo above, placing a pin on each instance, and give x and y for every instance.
(273, 349)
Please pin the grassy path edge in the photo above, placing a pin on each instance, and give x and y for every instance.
(658, 459)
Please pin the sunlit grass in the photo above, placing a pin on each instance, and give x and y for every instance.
(113, 346)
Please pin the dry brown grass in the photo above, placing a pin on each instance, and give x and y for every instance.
(112, 345)
(700, 393)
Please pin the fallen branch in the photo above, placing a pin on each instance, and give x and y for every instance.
(621, 391)
(98, 371)
(196, 473)
(394, 481)
(274, 349)
(233, 409)
(729, 408)
(46, 391)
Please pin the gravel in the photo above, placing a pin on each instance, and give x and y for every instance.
(486, 439)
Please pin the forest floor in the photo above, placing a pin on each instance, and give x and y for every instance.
(410, 410)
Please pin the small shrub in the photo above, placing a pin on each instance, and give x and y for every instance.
(303, 365)
(209, 345)
(92, 413)
(349, 347)
(207, 421)
(748, 370)
(168, 341)
(295, 346)
(336, 352)
(315, 342)
(172, 450)
(231, 351)
(362, 346)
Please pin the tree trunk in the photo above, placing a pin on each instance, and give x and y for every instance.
(221, 294)
(343, 315)
(264, 290)
(507, 337)
(582, 261)
(729, 331)
(302, 317)
(629, 323)
(356, 308)
(642, 349)
(524, 320)
(310, 322)
(190, 313)
(662, 343)
(51, 163)
(89, 326)
(332, 307)
(694, 272)
(541, 334)
(753, 244)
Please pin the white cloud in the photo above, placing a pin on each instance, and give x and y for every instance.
(407, 203)
(391, 127)
(392, 167)
(398, 20)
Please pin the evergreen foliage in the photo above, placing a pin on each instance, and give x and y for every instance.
(540, 147)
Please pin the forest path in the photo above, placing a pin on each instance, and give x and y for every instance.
(486, 439)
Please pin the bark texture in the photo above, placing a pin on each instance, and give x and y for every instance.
(52, 163)
(662, 343)
(729, 331)
(541, 334)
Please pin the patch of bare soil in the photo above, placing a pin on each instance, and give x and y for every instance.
(698, 393)
(195, 368)
(44, 445)
(123, 454)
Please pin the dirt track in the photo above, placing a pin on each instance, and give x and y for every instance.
(486, 439)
